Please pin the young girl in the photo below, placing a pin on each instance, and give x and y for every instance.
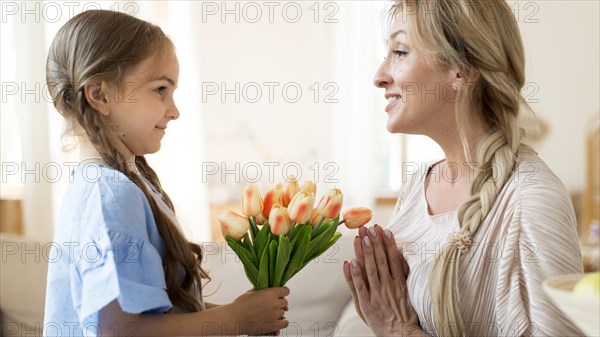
(481, 229)
(126, 268)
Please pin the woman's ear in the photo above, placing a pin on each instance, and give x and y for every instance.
(97, 96)
(462, 78)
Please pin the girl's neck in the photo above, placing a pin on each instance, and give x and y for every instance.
(89, 154)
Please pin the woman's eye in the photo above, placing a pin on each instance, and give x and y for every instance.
(400, 53)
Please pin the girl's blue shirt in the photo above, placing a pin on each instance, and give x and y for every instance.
(106, 247)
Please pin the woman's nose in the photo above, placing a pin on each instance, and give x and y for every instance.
(382, 76)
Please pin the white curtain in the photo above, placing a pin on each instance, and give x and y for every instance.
(357, 48)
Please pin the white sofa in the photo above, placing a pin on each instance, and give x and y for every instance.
(319, 303)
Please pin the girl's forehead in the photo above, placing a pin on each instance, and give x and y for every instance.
(155, 65)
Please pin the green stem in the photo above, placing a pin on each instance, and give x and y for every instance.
(251, 244)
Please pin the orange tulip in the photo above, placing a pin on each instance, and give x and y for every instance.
(273, 196)
(291, 189)
(300, 208)
(356, 217)
(315, 218)
(252, 203)
(233, 224)
(331, 204)
(279, 221)
(309, 186)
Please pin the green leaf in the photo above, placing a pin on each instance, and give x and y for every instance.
(272, 261)
(283, 257)
(246, 258)
(262, 239)
(321, 241)
(332, 241)
(298, 253)
(263, 271)
(300, 229)
(322, 228)
(253, 228)
(247, 244)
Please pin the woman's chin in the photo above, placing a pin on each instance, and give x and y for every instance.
(395, 127)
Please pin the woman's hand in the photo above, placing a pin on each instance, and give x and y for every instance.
(377, 281)
(261, 311)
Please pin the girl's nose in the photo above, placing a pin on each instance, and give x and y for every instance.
(172, 112)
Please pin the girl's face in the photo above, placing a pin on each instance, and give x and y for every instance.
(419, 92)
(143, 105)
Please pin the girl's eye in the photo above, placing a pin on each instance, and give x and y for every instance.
(161, 90)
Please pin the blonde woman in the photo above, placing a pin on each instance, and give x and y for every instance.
(481, 229)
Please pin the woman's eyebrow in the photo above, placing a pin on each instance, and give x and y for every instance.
(394, 34)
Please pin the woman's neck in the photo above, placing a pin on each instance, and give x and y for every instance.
(458, 166)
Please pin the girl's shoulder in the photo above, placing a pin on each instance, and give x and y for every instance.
(104, 182)
(100, 198)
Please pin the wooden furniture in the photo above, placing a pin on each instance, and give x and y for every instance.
(11, 216)
(591, 192)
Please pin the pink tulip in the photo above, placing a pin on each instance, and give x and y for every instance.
(309, 186)
(331, 204)
(291, 189)
(300, 208)
(357, 217)
(252, 203)
(315, 218)
(279, 221)
(233, 224)
(273, 196)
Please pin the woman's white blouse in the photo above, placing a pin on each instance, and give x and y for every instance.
(529, 235)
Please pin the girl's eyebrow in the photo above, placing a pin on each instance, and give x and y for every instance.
(165, 78)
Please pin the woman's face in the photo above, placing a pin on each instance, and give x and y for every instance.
(419, 92)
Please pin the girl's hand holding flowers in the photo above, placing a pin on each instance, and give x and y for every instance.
(261, 311)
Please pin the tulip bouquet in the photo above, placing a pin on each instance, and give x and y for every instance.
(279, 235)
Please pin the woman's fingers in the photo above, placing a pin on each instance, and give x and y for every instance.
(395, 260)
(362, 231)
(370, 263)
(362, 292)
(379, 253)
(349, 281)
(359, 256)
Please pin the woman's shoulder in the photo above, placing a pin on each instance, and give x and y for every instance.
(536, 192)
(533, 176)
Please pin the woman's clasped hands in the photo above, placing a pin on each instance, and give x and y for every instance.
(377, 281)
